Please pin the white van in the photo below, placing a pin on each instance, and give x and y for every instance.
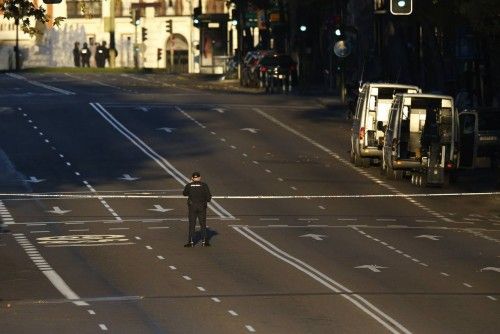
(421, 139)
(372, 113)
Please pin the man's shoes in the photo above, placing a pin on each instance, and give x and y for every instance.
(189, 244)
(205, 244)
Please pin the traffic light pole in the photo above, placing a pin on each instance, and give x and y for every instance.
(136, 49)
(112, 49)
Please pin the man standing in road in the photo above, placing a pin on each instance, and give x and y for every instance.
(198, 196)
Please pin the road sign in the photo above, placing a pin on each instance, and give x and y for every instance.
(58, 210)
(372, 267)
(318, 237)
(430, 237)
(127, 177)
(159, 208)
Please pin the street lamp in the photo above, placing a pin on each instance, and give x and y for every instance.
(303, 28)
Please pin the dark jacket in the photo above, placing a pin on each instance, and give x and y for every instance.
(198, 193)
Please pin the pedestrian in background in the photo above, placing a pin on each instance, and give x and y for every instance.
(106, 53)
(198, 197)
(85, 55)
(76, 54)
(100, 56)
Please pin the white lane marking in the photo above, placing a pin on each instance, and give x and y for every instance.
(103, 327)
(173, 267)
(250, 328)
(215, 299)
(149, 247)
(201, 288)
(321, 207)
(39, 84)
(91, 312)
(160, 257)
(467, 285)
(187, 278)
(63, 288)
(162, 162)
(445, 274)
(233, 313)
(137, 238)
(492, 298)
(54, 277)
(359, 301)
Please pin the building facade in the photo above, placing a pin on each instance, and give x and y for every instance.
(89, 21)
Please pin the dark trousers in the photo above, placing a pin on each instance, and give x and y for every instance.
(197, 211)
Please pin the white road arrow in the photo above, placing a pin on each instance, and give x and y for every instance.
(220, 110)
(430, 237)
(372, 267)
(491, 269)
(252, 130)
(127, 177)
(58, 210)
(168, 130)
(159, 208)
(33, 179)
(318, 237)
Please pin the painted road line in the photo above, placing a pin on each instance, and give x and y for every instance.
(363, 304)
(50, 273)
(39, 84)
(250, 328)
(162, 162)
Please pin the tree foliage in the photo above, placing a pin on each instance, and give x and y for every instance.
(24, 13)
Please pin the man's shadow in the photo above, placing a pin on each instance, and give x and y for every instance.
(210, 234)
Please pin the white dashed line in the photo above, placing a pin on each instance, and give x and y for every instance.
(201, 288)
(103, 327)
(467, 285)
(250, 328)
(187, 278)
(92, 312)
(445, 274)
(216, 300)
(160, 257)
(173, 267)
(233, 313)
(149, 247)
(491, 297)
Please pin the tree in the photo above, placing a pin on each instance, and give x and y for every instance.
(24, 13)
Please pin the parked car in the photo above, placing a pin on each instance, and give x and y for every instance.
(421, 139)
(250, 75)
(373, 104)
(278, 71)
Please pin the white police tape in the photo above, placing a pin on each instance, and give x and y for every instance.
(156, 196)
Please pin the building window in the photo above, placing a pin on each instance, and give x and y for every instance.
(87, 8)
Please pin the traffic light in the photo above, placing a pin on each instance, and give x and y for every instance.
(169, 26)
(401, 7)
(144, 34)
(196, 16)
(136, 17)
(158, 54)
